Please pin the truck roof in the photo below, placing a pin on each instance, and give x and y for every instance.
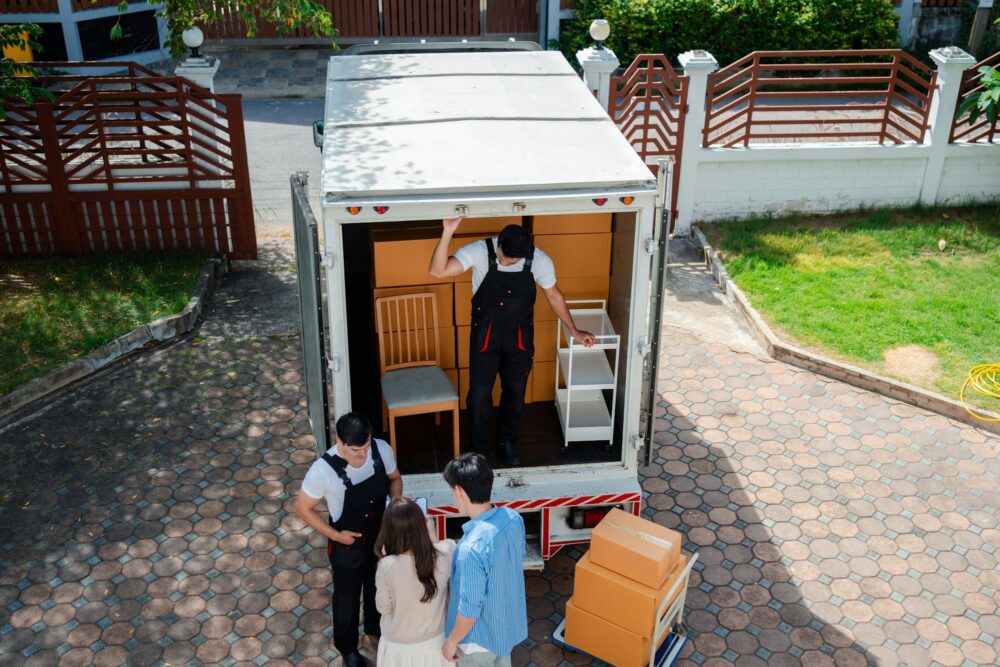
(442, 123)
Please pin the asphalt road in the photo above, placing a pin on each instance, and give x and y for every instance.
(279, 143)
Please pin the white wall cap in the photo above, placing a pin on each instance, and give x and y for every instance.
(952, 55)
(698, 59)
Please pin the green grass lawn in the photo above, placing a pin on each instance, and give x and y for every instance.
(857, 286)
(55, 310)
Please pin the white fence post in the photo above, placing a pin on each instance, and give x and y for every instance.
(697, 66)
(951, 64)
(598, 66)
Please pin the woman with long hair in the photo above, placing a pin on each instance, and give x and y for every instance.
(411, 585)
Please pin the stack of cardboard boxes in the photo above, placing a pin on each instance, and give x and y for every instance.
(620, 586)
(579, 245)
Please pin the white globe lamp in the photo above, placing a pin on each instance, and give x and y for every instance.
(193, 38)
(599, 31)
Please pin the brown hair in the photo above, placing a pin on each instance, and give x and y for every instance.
(405, 530)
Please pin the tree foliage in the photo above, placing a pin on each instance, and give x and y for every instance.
(730, 29)
(985, 102)
(285, 15)
(17, 80)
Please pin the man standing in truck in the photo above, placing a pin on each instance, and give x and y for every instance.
(505, 269)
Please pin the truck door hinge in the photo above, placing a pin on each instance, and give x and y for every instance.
(643, 348)
(637, 441)
(326, 259)
(334, 363)
(651, 245)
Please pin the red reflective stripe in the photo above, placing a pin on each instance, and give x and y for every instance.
(486, 344)
(520, 341)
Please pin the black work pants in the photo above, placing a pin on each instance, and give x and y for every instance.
(348, 586)
(513, 366)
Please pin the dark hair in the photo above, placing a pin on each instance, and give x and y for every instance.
(404, 529)
(471, 472)
(354, 429)
(515, 242)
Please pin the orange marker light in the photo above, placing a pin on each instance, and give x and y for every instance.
(353, 210)
(601, 201)
(626, 200)
(381, 209)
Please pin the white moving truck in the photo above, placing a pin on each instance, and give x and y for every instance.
(412, 138)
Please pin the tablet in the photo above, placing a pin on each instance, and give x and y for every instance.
(420, 501)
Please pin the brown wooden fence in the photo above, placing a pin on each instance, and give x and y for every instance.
(877, 96)
(125, 162)
(648, 103)
(404, 18)
(982, 130)
(29, 6)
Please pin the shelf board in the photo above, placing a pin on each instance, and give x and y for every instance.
(589, 418)
(591, 369)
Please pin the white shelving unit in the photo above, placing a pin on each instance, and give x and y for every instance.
(584, 374)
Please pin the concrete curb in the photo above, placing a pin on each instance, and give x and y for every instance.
(853, 375)
(158, 331)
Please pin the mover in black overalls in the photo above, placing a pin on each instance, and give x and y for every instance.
(355, 477)
(504, 272)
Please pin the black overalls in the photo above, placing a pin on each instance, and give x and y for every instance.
(354, 565)
(502, 340)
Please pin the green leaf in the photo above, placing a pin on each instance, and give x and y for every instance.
(116, 31)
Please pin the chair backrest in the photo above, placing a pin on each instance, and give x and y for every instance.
(407, 327)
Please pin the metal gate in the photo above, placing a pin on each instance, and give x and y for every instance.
(307, 264)
(648, 103)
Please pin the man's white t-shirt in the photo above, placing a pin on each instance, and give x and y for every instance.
(476, 256)
(322, 482)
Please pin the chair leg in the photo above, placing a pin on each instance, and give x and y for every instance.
(437, 418)
(454, 428)
(392, 434)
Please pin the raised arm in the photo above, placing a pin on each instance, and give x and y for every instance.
(558, 302)
(443, 264)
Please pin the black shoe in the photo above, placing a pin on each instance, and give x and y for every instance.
(355, 660)
(510, 455)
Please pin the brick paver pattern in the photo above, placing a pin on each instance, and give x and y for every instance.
(147, 519)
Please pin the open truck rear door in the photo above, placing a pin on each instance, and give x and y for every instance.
(308, 262)
(657, 248)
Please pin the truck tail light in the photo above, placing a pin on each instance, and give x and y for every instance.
(587, 517)
(601, 201)
(381, 209)
(626, 200)
(353, 210)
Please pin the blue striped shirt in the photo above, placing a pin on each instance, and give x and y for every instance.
(487, 581)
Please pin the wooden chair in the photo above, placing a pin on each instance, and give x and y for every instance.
(409, 357)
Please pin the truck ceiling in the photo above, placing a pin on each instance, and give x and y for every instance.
(435, 123)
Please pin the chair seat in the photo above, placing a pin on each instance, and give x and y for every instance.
(422, 385)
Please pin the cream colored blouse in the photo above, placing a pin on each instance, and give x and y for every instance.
(405, 619)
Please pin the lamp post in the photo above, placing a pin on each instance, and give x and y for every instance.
(193, 38)
(599, 31)
(598, 63)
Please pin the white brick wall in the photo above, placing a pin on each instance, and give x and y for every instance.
(740, 183)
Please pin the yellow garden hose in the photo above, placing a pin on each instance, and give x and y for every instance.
(984, 378)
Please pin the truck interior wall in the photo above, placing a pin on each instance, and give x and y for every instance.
(623, 229)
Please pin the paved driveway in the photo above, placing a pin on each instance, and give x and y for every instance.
(146, 517)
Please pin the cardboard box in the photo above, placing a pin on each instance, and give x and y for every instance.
(545, 340)
(402, 258)
(462, 345)
(489, 225)
(543, 381)
(445, 294)
(592, 287)
(452, 374)
(641, 550)
(572, 223)
(577, 255)
(603, 639)
(463, 300)
(410, 345)
(613, 596)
